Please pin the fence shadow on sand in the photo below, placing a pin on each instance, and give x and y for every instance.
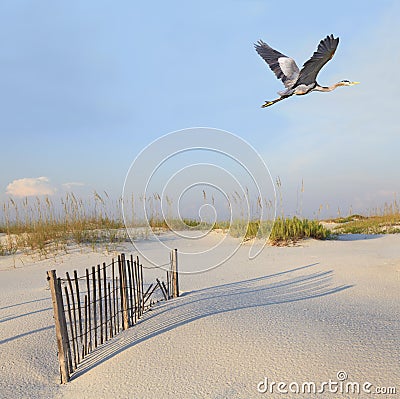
(274, 289)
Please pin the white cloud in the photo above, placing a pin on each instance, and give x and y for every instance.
(70, 185)
(30, 186)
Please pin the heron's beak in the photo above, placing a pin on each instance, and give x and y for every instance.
(355, 83)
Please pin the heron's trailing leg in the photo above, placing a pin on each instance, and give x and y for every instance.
(268, 103)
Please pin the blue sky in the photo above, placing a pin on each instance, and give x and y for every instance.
(85, 86)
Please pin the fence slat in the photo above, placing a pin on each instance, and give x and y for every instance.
(117, 304)
(168, 285)
(137, 300)
(110, 308)
(134, 284)
(94, 305)
(151, 292)
(147, 291)
(130, 292)
(86, 327)
(166, 290)
(71, 329)
(78, 302)
(75, 336)
(124, 296)
(89, 346)
(100, 304)
(105, 302)
(141, 287)
(162, 289)
(115, 310)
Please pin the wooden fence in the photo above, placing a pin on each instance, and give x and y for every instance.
(93, 308)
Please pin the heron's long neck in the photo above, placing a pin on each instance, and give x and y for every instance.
(330, 88)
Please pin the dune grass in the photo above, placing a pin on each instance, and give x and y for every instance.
(287, 230)
(37, 225)
(42, 227)
(385, 220)
(387, 224)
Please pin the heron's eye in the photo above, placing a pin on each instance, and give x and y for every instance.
(346, 81)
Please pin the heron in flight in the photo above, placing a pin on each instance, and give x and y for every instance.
(300, 81)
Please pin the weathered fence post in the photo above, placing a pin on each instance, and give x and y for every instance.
(174, 273)
(60, 324)
(124, 293)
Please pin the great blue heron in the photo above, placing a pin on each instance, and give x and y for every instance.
(300, 81)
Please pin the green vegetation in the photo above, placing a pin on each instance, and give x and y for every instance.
(371, 225)
(287, 230)
(347, 219)
(379, 221)
(282, 232)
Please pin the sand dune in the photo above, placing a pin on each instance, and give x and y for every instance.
(292, 314)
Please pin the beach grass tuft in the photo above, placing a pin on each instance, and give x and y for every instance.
(289, 230)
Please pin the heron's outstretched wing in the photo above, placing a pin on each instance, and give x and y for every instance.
(284, 67)
(325, 51)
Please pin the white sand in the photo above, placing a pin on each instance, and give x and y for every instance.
(293, 314)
